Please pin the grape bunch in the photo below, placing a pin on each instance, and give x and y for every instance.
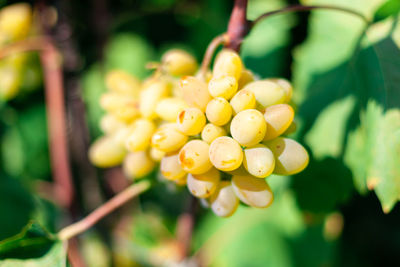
(219, 133)
(19, 71)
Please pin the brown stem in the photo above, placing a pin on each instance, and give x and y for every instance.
(56, 120)
(217, 41)
(112, 204)
(31, 44)
(238, 26)
(184, 228)
(295, 8)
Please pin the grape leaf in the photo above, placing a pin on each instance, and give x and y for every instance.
(343, 60)
(33, 246)
(387, 9)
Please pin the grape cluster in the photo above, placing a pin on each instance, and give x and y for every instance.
(19, 71)
(219, 133)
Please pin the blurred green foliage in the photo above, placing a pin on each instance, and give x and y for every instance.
(347, 89)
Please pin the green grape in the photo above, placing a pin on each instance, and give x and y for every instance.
(224, 86)
(195, 92)
(248, 127)
(290, 156)
(203, 185)
(170, 167)
(225, 153)
(140, 136)
(224, 202)
(259, 161)
(211, 131)
(279, 118)
(193, 157)
(178, 63)
(267, 93)
(218, 111)
(252, 191)
(106, 152)
(138, 164)
(191, 121)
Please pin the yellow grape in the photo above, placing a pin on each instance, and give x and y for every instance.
(252, 191)
(140, 135)
(193, 157)
(122, 106)
(15, 21)
(106, 152)
(110, 124)
(259, 160)
(203, 185)
(219, 111)
(224, 86)
(151, 94)
(227, 63)
(226, 154)
(181, 181)
(279, 118)
(178, 63)
(290, 156)
(169, 108)
(191, 121)
(248, 127)
(138, 164)
(121, 135)
(10, 81)
(267, 93)
(195, 92)
(121, 82)
(224, 202)
(285, 84)
(246, 77)
(170, 167)
(156, 154)
(168, 139)
(244, 99)
(211, 131)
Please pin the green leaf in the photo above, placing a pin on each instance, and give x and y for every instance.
(387, 9)
(340, 70)
(33, 246)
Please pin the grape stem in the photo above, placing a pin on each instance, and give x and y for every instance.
(108, 207)
(26, 45)
(217, 41)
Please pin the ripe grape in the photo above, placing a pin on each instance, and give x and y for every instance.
(224, 202)
(195, 92)
(218, 111)
(224, 86)
(152, 93)
(169, 108)
(225, 153)
(168, 139)
(252, 191)
(286, 86)
(105, 152)
(138, 164)
(178, 63)
(211, 131)
(193, 157)
(15, 21)
(248, 127)
(227, 63)
(110, 124)
(203, 185)
(244, 99)
(290, 156)
(156, 154)
(278, 118)
(246, 77)
(267, 93)
(170, 167)
(191, 121)
(258, 160)
(140, 135)
(121, 82)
